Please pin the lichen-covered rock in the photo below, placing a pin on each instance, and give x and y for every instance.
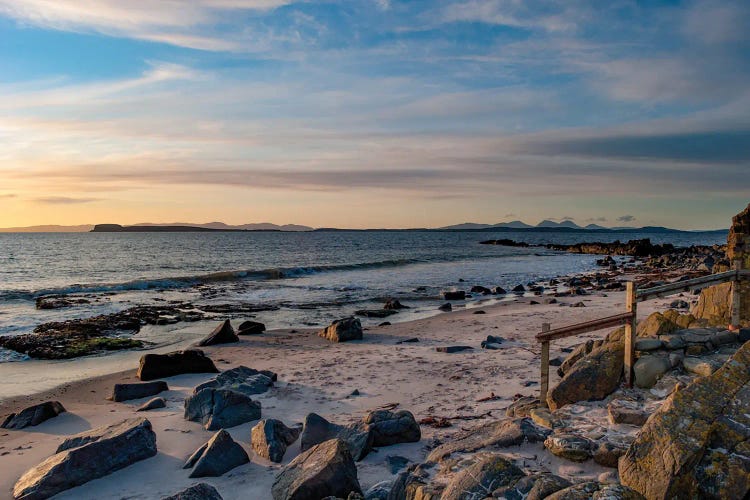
(481, 478)
(270, 438)
(697, 445)
(534, 487)
(325, 470)
(625, 412)
(389, 428)
(715, 304)
(593, 377)
(494, 435)
(580, 491)
(649, 369)
(616, 492)
(656, 324)
(33, 415)
(217, 457)
(570, 446)
(522, 406)
(607, 453)
(577, 354)
(343, 330)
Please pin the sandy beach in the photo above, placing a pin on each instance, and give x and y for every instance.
(314, 375)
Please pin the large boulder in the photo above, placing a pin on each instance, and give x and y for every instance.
(697, 444)
(251, 328)
(33, 415)
(221, 408)
(222, 334)
(494, 435)
(593, 377)
(200, 491)
(126, 392)
(153, 366)
(88, 456)
(480, 479)
(217, 457)
(389, 427)
(270, 439)
(343, 330)
(715, 304)
(649, 369)
(325, 470)
(357, 437)
(241, 379)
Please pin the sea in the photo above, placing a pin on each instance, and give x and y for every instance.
(311, 278)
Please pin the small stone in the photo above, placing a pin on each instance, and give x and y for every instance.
(453, 348)
(569, 446)
(446, 307)
(152, 404)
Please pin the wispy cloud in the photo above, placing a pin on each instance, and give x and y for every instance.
(64, 200)
(625, 218)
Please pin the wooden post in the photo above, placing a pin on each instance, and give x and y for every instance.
(630, 332)
(545, 369)
(736, 296)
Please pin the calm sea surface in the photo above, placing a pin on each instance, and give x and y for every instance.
(312, 277)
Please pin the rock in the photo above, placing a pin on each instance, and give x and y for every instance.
(542, 416)
(396, 463)
(673, 342)
(222, 334)
(251, 328)
(577, 354)
(534, 487)
(580, 491)
(376, 313)
(408, 341)
(454, 295)
(200, 491)
(394, 304)
(270, 439)
(593, 377)
(241, 379)
(221, 408)
(327, 469)
(656, 324)
(217, 457)
(569, 446)
(648, 344)
(316, 430)
(88, 456)
(578, 304)
(522, 406)
(453, 348)
(153, 366)
(152, 404)
(519, 289)
(616, 492)
(679, 304)
(33, 415)
(343, 330)
(481, 289)
(446, 307)
(389, 428)
(621, 412)
(701, 367)
(723, 337)
(649, 369)
(59, 301)
(479, 311)
(126, 392)
(379, 491)
(481, 478)
(607, 454)
(385, 323)
(493, 435)
(498, 290)
(714, 304)
(696, 444)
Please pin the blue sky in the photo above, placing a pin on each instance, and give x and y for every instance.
(372, 113)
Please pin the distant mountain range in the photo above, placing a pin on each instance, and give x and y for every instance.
(548, 224)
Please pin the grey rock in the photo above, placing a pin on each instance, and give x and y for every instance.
(343, 330)
(33, 415)
(88, 456)
(316, 430)
(484, 476)
(570, 446)
(251, 328)
(270, 439)
(200, 491)
(699, 366)
(649, 369)
(580, 491)
(152, 404)
(533, 487)
(221, 408)
(222, 334)
(217, 457)
(394, 304)
(453, 348)
(376, 313)
(607, 453)
(621, 412)
(153, 366)
(379, 491)
(388, 428)
(241, 379)
(673, 342)
(396, 463)
(325, 470)
(446, 307)
(648, 344)
(126, 392)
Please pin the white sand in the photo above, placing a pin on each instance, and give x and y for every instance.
(314, 376)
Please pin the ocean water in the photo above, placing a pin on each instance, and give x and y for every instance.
(312, 277)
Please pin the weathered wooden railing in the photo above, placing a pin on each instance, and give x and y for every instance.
(629, 318)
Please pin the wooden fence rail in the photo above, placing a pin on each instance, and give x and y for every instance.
(629, 318)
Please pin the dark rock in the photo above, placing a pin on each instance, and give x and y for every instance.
(153, 404)
(217, 457)
(33, 415)
(481, 289)
(126, 392)
(396, 463)
(222, 334)
(59, 301)
(453, 348)
(221, 408)
(519, 289)
(251, 328)
(385, 323)
(580, 491)
(498, 290)
(316, 430)
(248, 381)
(153, 366)
(87, 456)
(343, 330)
(394, 304)
(388, 428)
(454, 295)
(446, 307)
(408, 341)
(376, 313)
(607, 453)
(326, 469)
(479, 312)
(270, 439)
(481, 478)
(534, 487)
(200, 491)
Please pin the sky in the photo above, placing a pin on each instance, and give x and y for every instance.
(374, 113)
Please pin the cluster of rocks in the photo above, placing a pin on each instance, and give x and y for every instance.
(60, 301)
(391, 307)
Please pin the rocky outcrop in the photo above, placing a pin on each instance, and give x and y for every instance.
(343, 330)
(394, 304)
(715, 304)
(126, 392)
(217, 457)
(325, 470)
(480, 479)
(200, 491)
(88, 456)
(357, 437)
(633, 248)
(222, 334)
(270, 439)
(697, 445)
(33, 415)
(738, 250)
(389, 428)
(593, 377)
(221, 408)
(153, 366)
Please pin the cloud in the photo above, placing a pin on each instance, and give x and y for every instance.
(7, 196)
(64, 200)
(625, 218)
(596, 219)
